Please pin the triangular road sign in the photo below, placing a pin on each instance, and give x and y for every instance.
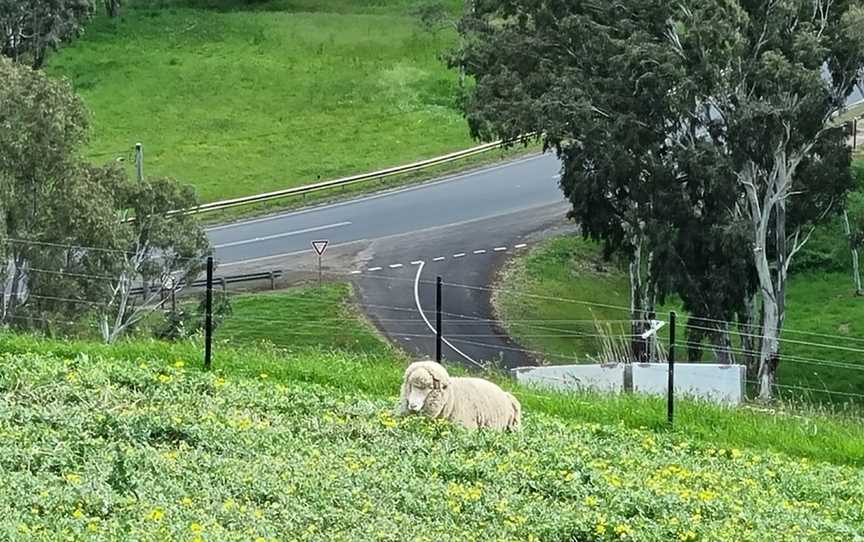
(320, 246)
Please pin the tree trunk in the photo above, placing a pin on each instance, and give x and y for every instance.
(856, 270)
(637, 308)
(17, 286)
(769, 357)
(112, 8)
(782, 254)
(723, 345)
(694, 343)
(749, 336)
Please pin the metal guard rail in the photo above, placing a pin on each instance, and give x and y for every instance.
(345, 181)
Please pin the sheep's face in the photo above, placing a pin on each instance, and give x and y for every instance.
(423, 391)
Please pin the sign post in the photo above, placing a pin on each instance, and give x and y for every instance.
(320, 247)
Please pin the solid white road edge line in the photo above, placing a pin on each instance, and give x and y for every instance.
(429, 324)
(420, 186)
(280, 235)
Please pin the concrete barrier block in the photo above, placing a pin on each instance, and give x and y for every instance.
(708, 381)
(602, 378)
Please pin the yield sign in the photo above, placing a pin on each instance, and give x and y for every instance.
(320, 246)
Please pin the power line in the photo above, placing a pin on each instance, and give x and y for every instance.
(82, 247)
(813, 390)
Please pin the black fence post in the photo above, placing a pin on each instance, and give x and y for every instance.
(439, 331)
(670, 406)
(208, 316)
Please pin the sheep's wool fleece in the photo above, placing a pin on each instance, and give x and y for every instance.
(471, 402)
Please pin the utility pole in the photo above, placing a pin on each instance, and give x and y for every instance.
(139, 161)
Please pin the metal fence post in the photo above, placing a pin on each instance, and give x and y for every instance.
(439, 331)
(670, 406)
(208, 316)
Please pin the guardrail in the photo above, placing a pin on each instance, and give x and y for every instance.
(345, 181)
(223, 281)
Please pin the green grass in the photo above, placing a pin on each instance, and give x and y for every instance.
(132, 442)
(237, 101)
(813, 435)
(822, 305)
(300, 318)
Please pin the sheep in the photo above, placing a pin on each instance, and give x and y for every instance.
(428, 390)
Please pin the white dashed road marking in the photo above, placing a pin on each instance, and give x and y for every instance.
(442, 258)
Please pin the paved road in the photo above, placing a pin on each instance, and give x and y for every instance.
(493, 191)
(392, 246)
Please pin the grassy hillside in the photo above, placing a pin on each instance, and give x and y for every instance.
(300, 318)
(244, 97)
(132, 442)
(823, 305)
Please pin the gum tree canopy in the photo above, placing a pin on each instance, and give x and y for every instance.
(695, 135)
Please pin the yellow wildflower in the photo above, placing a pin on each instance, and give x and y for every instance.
(73, 478)
(78, 513)
(156, 514)
(179, 364)
(163, 378)
(196, 528)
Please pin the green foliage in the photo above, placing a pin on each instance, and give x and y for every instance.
(679, 133)
(149, 449)
(821, 304)
(65, 223)
(32, 27)
(249, 99)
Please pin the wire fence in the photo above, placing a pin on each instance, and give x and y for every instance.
(400, 304)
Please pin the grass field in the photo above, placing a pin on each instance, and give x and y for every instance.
(821, 305)
(241, 100)
(300, 318)
(133, 442)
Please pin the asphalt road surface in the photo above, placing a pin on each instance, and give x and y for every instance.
(394, 244)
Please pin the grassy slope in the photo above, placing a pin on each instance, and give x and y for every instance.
(571, 268)
(238, 102)
(301, 318)
(144, 447)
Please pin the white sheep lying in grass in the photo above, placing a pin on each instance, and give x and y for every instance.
(427, 389)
